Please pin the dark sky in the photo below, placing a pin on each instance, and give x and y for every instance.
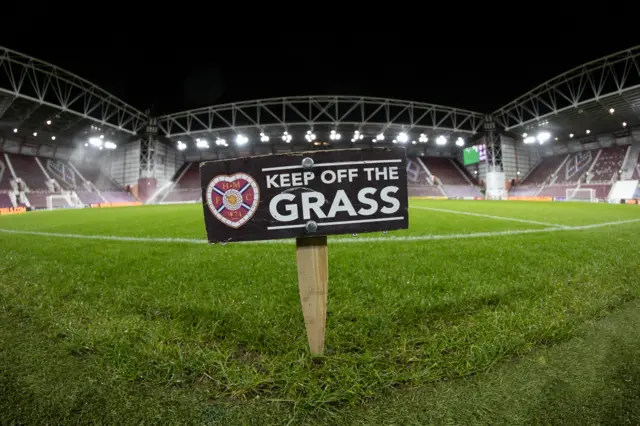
(187, 65)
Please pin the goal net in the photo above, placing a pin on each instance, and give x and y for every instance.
(58, 201)
(581, 194)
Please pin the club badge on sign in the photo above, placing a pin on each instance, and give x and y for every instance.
(233, 200)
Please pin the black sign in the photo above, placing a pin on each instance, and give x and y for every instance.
(305, 193)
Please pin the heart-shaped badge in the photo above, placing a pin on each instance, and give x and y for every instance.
(233, 200)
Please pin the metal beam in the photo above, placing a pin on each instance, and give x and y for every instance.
(320, 110)
(594, 81)
(28, 78)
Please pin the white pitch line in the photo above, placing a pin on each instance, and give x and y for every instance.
(332, 241)
(488, 216)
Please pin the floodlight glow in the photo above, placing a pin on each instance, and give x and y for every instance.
(241, 139)
(310, 136)
(264, 138)
(286, 137)
(181, 146)
(524, 135)
(35, 133)
(624, 124)
(357, 136)
(543, 137)
(414, 142)
(402, 137)
(109, 145)
(53, 138)
(15, 130)
(334, 136)
(221, 142)
(101, 136)
(380, 137)
(459, 142)
(202, 143)
(97, 142)
(48, 122)
(423, 138)
(611, 110)
(529, 139)
(588, 131)
(441, 140)
(395, 141)
(570, 135)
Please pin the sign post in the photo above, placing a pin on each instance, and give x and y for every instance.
(306, 196)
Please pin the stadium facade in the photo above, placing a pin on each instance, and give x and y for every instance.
(66, 142)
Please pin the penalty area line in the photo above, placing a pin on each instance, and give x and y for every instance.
(488, 216)
(357, 240)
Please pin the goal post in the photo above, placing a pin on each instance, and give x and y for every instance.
(57, 201)
(581, 194)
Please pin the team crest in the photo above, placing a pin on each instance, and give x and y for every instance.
(233, 200)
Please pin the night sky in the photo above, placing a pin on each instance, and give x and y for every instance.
(176, 67)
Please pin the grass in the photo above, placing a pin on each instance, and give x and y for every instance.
(98, 331)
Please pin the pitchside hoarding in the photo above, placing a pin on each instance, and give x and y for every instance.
(305, 194)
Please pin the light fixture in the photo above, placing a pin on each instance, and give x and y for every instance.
(241, 140)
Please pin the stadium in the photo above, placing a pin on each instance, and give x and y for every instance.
(511, 298)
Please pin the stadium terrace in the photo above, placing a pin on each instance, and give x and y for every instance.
(68, 143)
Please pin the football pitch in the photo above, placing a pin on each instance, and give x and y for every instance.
(128, 316)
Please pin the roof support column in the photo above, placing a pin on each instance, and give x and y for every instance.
(494, 145)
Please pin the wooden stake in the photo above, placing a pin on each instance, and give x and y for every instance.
(313, 279)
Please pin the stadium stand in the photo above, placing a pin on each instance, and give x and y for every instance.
(5, 200)
(608, 164)
(187, 186)
(454, 181)
(27, 169)
(575, 167)
(90, 197)
(636, 171)
(5, 177)
(420, 183)
(543, 171)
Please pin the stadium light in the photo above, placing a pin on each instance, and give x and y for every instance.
(611, 110)
(264, 138)
(96, 142)
(109, 145)
(286, 137)
(310, 136)
(459, 142)
(15, 130)
(202, 143)
(570, 135)
(35, 133)
(529, 139)
(624, 124)
(441, 140)
(334, 136)
(543, 137)
(423, 138)
(524, 135)
(588, 131)
(241, 139)
(101, 136)
(53, 138)
(181, 146)
(221, 142)
(402, 137)
(380, 137)
(48, 122)
(395, 141)
(357, 136)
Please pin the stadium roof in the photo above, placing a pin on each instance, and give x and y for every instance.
(599, 97)
(43, 104)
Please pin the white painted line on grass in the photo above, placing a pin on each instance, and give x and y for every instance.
(488, 216)
(388, 239)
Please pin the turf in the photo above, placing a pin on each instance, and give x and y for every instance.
(99, 331)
